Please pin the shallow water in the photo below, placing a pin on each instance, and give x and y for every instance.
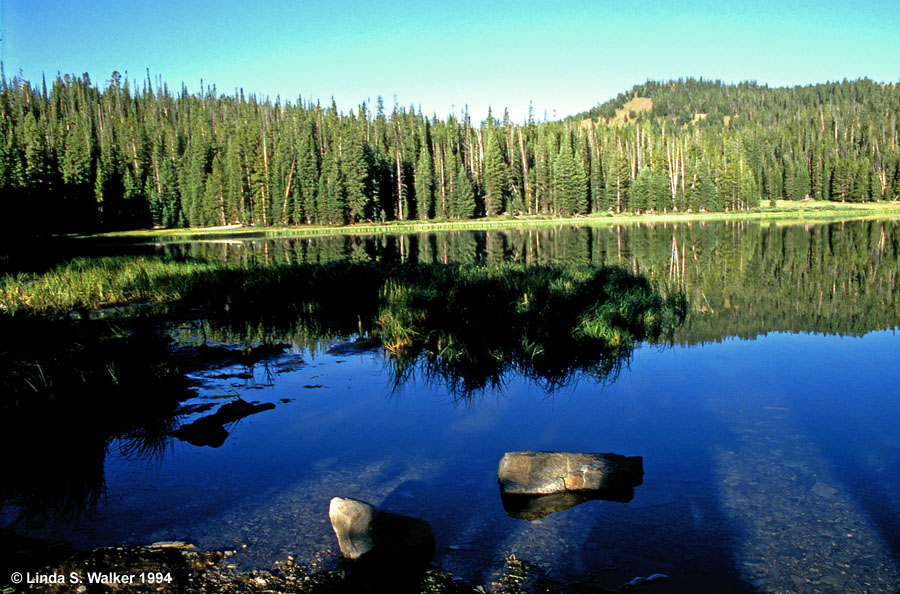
(767, 429)
(775, 468)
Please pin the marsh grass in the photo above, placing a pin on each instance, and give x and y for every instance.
(469, 324)
(90, 284)
(472, 325)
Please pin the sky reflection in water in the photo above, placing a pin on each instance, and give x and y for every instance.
(772, 459)
(750, 447)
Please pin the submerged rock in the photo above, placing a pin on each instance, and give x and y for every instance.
(365, 532)
(631, 585)
(544, 473)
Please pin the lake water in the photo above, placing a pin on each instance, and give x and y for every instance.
(767, 425)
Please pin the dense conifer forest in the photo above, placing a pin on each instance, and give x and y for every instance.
(78, 156)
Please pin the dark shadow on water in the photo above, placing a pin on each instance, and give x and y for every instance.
(210, 430)
(89, 389)
(878, 504)
(866, 487)
(72, 392)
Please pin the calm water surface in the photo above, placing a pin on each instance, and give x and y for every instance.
(768, 427)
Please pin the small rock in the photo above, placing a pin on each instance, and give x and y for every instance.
(352, 523)
(833, 580)
(631, 585)
(173, 544)
(823, 490)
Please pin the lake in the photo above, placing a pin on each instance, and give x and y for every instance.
(767, 421)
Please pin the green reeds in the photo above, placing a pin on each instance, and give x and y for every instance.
(470, 322)
(472, 325)
(86, 284)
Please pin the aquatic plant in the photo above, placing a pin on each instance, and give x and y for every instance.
(470, 325)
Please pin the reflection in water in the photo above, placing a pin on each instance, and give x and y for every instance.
(69, 397)
(472, 326)
(536, 507)
(210, 429)
(467, 326)
(742, 278)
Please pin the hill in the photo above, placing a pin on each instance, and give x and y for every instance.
(683, 100)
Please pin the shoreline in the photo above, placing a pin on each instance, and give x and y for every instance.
(785, 212)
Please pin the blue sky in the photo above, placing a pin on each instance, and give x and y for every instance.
(564, 57)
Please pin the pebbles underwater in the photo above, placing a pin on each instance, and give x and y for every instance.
(737, 496)
(752, 504)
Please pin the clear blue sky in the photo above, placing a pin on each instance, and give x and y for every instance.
(563, 56)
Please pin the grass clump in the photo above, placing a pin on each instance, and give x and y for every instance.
(93, 283)
(471, 325)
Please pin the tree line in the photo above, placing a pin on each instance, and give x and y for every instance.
(75, 157)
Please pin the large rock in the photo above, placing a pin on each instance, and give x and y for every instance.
(543, 473)
(352, 523)
(363, 530)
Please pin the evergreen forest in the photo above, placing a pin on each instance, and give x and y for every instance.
(80, 157)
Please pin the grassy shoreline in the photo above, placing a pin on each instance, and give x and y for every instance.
(784, 212)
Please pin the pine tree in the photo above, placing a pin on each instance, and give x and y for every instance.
(842, 178)
(355, 176)
(464, 204)
(860, 192)
(802, 185)
(495, 176)
(709, 195)
(331, 204)
(213, 207)
(661, 193)
(424, 184)
(642, 191)
(569, 187)
(305, 207)
(618, 183)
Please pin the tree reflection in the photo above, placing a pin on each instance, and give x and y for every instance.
(93, 386)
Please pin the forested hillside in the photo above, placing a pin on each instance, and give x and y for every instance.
(75, 156)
